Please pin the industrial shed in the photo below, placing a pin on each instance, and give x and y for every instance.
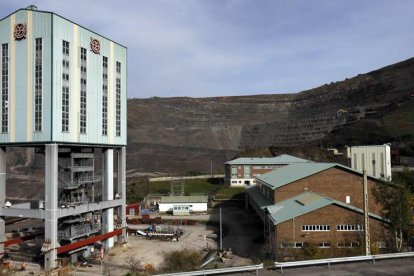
(183, 204)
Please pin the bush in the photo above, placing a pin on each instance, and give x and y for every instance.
(181, 260)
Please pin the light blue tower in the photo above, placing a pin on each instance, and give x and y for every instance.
(63, 92)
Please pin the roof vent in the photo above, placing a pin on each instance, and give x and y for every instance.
(32, 7)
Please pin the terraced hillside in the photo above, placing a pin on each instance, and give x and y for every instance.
(190, 134)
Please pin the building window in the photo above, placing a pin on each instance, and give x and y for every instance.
(310, 228)
(38, 84)
(65, 48)
(65, 108)
(323, 244)
(118, 99)
(355, 162)
(65, 86)
(4, 88)
(104, 96)
(374, 171)
(381, 244)
(350, 227)
(83, 101)
(347, 244)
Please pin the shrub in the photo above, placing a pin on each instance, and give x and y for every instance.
(181, 260)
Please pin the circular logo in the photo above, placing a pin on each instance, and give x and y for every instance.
(95, 46)
(20, 31)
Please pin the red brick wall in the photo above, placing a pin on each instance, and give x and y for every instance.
(332, 215)
(334, 183)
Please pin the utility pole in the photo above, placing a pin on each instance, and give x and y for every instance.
(366, 216)
(221, 234)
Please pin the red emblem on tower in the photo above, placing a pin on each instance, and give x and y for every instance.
(95, 45)
(20, 31)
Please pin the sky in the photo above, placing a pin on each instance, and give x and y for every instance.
(206, 48)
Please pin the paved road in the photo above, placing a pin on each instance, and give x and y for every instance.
(400, 267)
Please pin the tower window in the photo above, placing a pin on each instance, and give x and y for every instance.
(104, 95)
(83, 101)
(4, 88)
(118, 99)
(38, 84)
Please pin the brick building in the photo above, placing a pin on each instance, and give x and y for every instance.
(318, 204)
(243, 171)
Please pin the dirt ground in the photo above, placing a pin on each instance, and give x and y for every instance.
(242, 232)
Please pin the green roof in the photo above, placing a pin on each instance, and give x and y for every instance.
(281, 159)
(303, 204)
(184, 199)
(293, 172)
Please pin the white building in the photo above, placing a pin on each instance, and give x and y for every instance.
(243, 171)
(375, 160)
(183, 204)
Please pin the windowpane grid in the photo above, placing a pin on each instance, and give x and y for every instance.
(5, 88)
(104, 96)
(83, 102)
(323, 227)
(65, 87)
(118, 99)
(38, 84)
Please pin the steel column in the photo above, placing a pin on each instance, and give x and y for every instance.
(2, 196)
(51, 206)
(108, 194)
(122, 192)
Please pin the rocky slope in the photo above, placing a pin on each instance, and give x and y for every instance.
(187, 134)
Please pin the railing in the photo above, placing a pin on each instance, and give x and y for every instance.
(256, 268)
(342, 260)
(218, 271)
(82, 180)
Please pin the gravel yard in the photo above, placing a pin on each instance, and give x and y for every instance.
(242, 233)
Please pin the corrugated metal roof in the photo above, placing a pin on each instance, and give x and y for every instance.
(306, 203)
(184, 199)
(281, 159)
(291, 173)
(296, 171)
(294, 207)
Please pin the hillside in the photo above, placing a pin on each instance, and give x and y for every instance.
(187, 134)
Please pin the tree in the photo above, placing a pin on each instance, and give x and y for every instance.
(397, 201)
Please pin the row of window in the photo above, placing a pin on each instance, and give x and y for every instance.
(320, 244)
(339, 227)
(83, 92)
(345, 244)
(38, 89)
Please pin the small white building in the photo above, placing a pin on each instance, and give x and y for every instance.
(183, 204)
(375, 160)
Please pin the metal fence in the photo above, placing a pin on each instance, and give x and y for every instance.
(218, 271)
(372, 258)
(282, 265)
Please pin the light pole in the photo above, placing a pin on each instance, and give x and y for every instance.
(221, 234)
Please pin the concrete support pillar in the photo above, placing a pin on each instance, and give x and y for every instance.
(108, 194)
(51, 206)
(2, 176)
(2, 197)
(122, 192)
